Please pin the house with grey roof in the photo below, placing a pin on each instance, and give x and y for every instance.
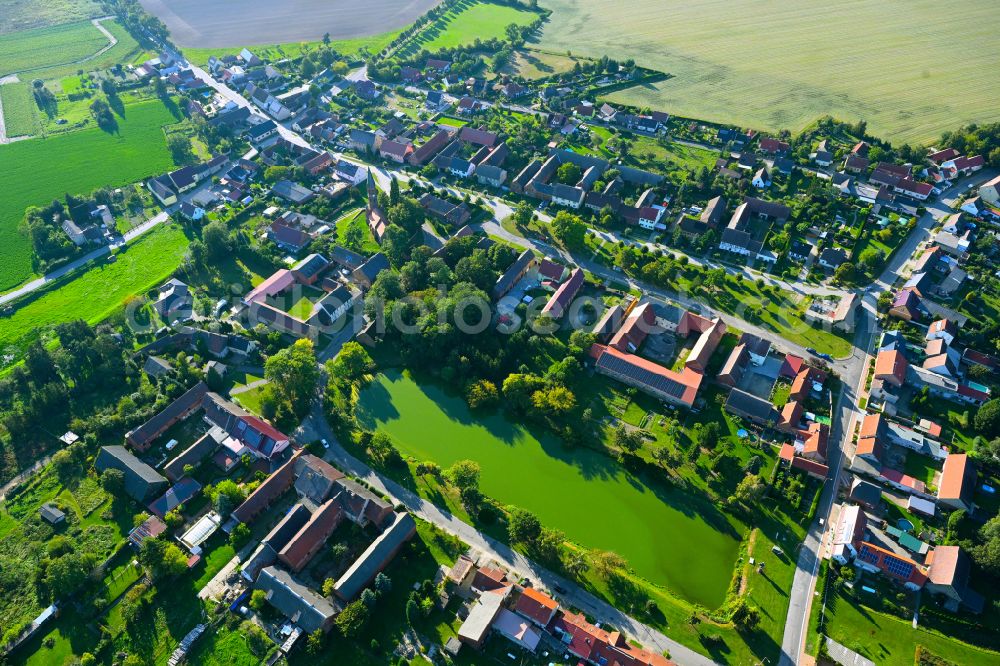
(376, 557)
(295, 601)
(141, 480)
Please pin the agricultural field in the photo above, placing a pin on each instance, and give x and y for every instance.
(44, 47)
(195, 23)
(39, 170)
(776, 66)
(21, 15)
(101, 289)
(537, 64)
(125, 50)
(349, 46)
(19, 110)
(466, 23)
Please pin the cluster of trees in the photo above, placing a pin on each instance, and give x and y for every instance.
(148, 30)
(88, 383)
(292, 375)
(103, 114)
(976, 140)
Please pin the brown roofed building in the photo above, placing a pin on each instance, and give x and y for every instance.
(679, 388)
(815, 443)
(269, 490)
(791, 416)
(488, 579)
(140, 438)
(537, 606)
(949, 575)
(307, 542)
(958, 482)
(734, 367)
(637, 326)
(890, 366)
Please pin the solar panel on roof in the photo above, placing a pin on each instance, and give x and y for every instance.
(659, 382)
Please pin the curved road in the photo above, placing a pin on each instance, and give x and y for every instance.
(316, 427)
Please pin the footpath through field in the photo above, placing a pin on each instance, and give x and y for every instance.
(316, 427)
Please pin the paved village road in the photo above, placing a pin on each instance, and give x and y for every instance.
(316, 427)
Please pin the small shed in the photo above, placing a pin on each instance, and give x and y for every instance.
(51, 514)
(921, 505)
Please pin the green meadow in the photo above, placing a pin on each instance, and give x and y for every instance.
(37, 171)
(669, 537)
(465, 23)
(35, 49)
(102, 289)
(372, 44)
(19, 110)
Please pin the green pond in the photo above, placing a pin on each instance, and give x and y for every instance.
(668, 536)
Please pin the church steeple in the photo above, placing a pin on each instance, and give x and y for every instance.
(372, 192)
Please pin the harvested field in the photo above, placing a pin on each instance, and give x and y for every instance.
(776, 65)
(224, 23)
(38, 170)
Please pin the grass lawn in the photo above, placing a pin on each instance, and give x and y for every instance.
(20, 114)
(102, 289)
(729, 64)
(38, 170)
(223, 647)
(373, 44)
(465, 23)
(892, 641)
(430, 424)
(250, 400)
(922, 468)
(357, 221)
(451, 121)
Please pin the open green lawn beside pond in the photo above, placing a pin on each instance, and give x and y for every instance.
(37, 171)
(669, 537)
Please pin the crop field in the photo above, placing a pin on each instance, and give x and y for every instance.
(196, 23)
(43, 47)
(466, 23)
(66, 59)
(27, 14)
(38, 170)
(99, 291)
(350, 46)
(536, 64)
(19, 109)
(774, 65)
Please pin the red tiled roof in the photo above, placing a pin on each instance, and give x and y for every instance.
(536, 606)
(488, 578)
(639, 323)
(958, 477)
(307, 542)
(891, 364)
(792, 365)
(817, 469)
(682, 385)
